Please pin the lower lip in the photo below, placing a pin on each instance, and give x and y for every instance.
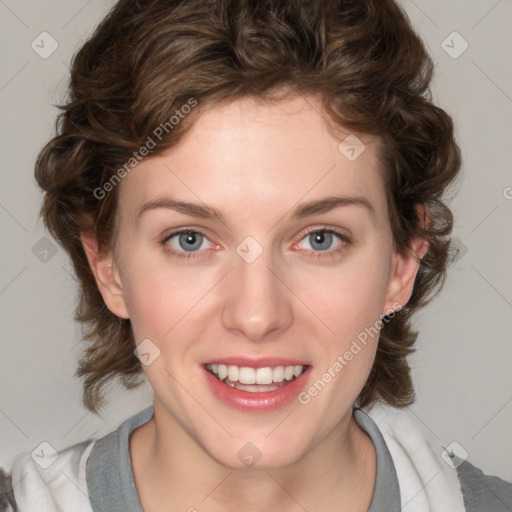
(266, 401)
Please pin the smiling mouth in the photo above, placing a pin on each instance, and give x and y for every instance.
(255, 380)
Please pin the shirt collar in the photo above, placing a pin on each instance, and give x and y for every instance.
(111, 484)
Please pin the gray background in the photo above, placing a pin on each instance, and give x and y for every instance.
(464, 352)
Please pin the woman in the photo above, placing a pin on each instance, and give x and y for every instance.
(251, 195)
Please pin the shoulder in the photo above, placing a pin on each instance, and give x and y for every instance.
(430, 476)
(94, 471)
(483, 493)
(37, 481)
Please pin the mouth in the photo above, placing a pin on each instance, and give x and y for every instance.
(255, 380)
(264, 388)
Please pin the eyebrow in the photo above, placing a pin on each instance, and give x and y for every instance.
(314, 207)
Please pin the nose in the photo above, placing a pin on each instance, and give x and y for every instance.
(258, 303)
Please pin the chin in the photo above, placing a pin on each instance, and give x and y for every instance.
(257, 454)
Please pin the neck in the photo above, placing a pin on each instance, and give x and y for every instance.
(173, 472)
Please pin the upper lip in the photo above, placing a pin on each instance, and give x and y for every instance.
(257, 362)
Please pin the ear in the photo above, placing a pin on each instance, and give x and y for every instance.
(405, 266)
(106, 275)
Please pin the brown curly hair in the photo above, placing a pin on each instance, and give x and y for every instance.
(148, 58)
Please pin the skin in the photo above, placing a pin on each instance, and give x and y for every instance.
(255, 162)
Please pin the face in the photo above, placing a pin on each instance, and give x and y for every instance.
(279, 277)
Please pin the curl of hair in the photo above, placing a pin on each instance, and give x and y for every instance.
(148, 58)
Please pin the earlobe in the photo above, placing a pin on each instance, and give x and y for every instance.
(106, 275)
(404, 271)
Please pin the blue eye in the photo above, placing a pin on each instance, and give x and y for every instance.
(321, 241)
(188, 243)
(188, 240)
(324, 240)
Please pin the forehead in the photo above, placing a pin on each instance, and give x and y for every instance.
(247, 153)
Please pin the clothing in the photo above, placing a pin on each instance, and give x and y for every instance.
(96, 475)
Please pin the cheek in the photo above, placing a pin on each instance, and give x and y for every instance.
(347, 299)
(350, 305)
(160, 295)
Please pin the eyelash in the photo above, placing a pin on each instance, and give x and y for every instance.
(318, 254)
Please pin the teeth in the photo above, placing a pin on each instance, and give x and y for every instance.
(245, 375)
(233, 373)
(263, 376)
(278, 374)
(222, 371)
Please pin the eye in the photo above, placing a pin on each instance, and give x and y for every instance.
(321, 240)
(185, 243)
